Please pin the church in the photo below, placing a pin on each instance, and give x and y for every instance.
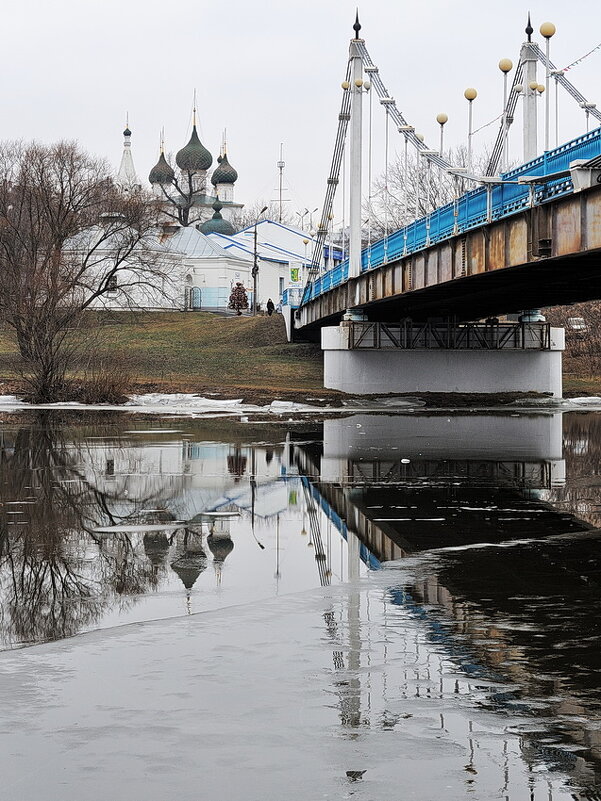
(203, 254)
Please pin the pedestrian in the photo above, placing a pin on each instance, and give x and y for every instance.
(270, 307)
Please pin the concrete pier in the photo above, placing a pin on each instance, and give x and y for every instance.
(369, 363)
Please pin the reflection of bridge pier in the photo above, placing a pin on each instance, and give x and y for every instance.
(404, 483)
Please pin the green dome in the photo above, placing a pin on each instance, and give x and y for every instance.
(225, 173)
(217, 225)
(162, 172)
(194, 156)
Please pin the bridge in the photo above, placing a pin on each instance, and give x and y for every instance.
(512, 241)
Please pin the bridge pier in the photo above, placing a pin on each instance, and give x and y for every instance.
(367, 358)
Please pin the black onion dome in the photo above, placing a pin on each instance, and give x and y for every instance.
(127, 132)
(189, 568)
(162, 172)
(194, 156)
(156, 547)
(225, 173)
(217, 225)
(220, 547)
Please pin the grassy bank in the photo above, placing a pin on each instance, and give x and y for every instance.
(198, 352)
(234, 356)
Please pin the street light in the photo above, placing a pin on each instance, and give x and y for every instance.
(470, 95)
(442, 119)
(301, 215)
(505, 65)
(255, 269)
(547, 30)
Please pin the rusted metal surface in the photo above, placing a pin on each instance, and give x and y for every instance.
(569, 226)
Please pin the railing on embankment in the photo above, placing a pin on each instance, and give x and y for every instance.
(471, 210)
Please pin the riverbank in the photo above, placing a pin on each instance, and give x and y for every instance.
(216, 356)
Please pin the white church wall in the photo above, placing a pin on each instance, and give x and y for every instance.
(214, 280)
(272, 280)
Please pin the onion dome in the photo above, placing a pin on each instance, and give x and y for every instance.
(225, 173)
(162, 172)
(127, 132)
(220, 547)
(217, 225)
(156, 547)
(189, 568)
(194, 156)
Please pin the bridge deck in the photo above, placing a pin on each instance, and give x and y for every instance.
(477, 210)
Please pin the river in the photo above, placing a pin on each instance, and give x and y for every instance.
(371, 606)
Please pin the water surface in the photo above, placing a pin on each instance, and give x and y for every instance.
(416, 596)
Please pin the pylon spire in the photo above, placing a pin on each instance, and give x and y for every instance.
(529, 29)
(357, 25)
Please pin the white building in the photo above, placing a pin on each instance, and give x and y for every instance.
(284, 254)
(201, 257)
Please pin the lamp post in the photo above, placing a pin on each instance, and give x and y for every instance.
(470, 95)
(255, 269)
(505, 65)
(442, 119)
(547, 29)
(301, 215)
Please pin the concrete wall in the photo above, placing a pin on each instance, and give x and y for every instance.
(367, 372)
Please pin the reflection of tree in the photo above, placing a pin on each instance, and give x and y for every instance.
(581, 495)
(57, 576)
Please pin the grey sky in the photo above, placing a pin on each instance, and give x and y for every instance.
(269, 72)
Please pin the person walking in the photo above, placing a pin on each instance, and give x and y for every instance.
(270, 307)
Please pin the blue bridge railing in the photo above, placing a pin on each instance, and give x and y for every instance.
(475, 208)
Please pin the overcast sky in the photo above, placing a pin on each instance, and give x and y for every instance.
(268, 72)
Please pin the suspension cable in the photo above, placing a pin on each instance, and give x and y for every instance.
(567, 85)
(506, 120)
(398, 119)
(333, 178)
(369, 180)
(386, 192)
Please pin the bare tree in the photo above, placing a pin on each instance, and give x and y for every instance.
(582, 323)
(181, 194)
(67, 237)
(401, 195)
(247, 216)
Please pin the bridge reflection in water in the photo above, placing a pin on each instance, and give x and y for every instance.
(405, 484)
(508, 589)
(473, 662)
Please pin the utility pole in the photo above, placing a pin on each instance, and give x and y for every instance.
(255, 269)
(281, 164)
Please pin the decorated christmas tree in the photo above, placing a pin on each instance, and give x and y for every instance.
(238, 298)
